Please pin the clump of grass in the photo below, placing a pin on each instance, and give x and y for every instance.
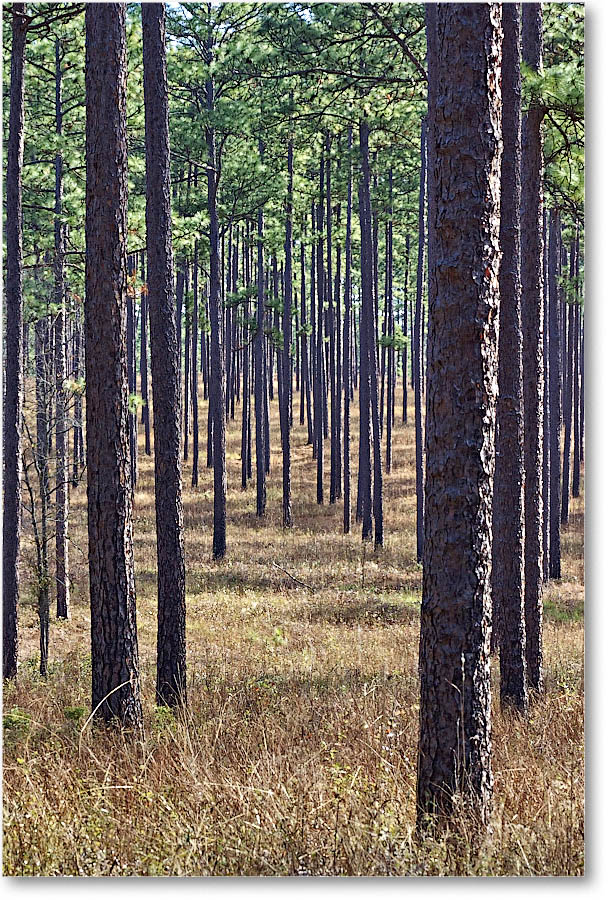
(297, 752)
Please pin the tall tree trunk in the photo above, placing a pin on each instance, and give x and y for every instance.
(582, 400)
(260, 459)
(390, 329)
(285, 397)
(331, 322)
(532, 325)
(418, 353)
(338, 342)
(368, 324)
(270, 344)
(266, 410)
(508, 522)
(228, 326)
(346, 347)
(576, 461)
(320, 400)
(406, 279)
(131, 370)
(77, 457)
(568, 400)
(42, 465)
(187, 358)
(143, 363)
(366, 335)
(454, 662)
(546, 405)
(218, 362)
(180, 291)
(114, 650)
(555, 383)
(61, 421)
(305, 388)
(194, 366)
(171, 635)
(246, 340)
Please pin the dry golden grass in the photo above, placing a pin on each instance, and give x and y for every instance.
(297, 754)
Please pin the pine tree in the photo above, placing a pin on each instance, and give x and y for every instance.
(114, 650)
(171, 635)
(454, 745)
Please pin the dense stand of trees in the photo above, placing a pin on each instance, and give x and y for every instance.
(309, 238)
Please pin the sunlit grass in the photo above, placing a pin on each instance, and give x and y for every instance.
(297, 753)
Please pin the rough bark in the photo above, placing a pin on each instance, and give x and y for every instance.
(114, 651)
(455, 745)
(508, 522)
(171, 633)
(532, 325)
(13, 360)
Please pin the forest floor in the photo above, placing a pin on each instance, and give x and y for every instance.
(297, 753)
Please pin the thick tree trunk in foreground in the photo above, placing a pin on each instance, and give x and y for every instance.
(507, 521)
(13, 362)
(532, 325)
(114, 652)
(454, 748)
(171, 634)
